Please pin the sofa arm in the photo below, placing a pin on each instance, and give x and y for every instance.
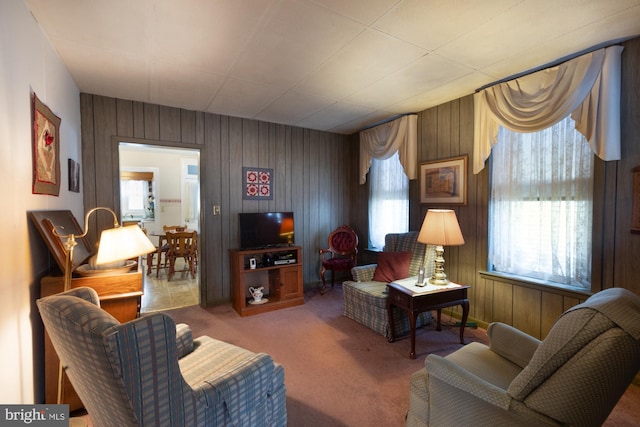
(184, 339)
(511, 343)
(455, 376)
(363, 273)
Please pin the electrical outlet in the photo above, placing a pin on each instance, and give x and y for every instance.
(216, 210)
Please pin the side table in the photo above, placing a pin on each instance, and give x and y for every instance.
(404, 295)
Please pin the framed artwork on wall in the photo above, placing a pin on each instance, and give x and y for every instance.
(257, 184)
(444, 182)
(46, 150)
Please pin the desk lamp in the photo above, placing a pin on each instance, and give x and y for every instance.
(116, 244)
(440, 228)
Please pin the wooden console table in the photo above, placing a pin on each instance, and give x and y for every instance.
(415, 300)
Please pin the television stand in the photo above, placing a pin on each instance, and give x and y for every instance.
(277, 269)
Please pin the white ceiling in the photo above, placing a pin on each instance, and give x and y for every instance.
(334, 65)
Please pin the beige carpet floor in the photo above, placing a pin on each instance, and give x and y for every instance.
(338, 372)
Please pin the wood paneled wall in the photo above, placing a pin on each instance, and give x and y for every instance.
(447, 131)
(311, 171)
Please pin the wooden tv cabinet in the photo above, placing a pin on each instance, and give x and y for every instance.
(278, 270)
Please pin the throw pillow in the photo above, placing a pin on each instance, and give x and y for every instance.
(392, 266)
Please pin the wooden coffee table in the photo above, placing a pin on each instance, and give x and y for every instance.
(415, 300)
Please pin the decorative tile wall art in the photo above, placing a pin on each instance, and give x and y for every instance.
(46, 150)
(257, 184)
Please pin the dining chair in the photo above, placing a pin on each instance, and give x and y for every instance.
(163, 248)
(182, 244)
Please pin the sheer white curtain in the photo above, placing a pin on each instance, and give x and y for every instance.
(388, 200)
(586, 87)
(541, 204)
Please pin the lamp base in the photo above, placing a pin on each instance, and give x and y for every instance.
(439, 277)
(439, 281)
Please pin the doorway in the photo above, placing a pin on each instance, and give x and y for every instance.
(160, 186)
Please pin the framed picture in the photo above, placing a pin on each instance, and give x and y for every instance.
(46, 150)
(74, 176)
(444, 182)
(257, 184)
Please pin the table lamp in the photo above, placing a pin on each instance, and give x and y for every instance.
(116, 244)
(440, 228)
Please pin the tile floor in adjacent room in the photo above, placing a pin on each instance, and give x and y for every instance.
(162, 294)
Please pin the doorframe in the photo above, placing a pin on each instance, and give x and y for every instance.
(115, 148)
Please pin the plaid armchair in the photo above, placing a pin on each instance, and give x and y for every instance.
(365, 300)
(575, 376)
(139, 373)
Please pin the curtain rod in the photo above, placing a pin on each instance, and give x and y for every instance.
(556, 62)
(396, 117)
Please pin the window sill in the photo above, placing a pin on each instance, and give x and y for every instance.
(532, 283)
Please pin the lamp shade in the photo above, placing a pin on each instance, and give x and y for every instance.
(440, 227)
(121, 243)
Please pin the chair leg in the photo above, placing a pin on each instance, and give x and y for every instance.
(150, 263)
(192, 266)
(172, 268)
(324, 285)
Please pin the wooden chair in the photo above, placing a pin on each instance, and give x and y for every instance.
(161, 250)
(182, 244)
(342, 253)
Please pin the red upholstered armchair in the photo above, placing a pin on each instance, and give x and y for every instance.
(342, 253)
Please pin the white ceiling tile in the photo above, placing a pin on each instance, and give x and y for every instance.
(455, 89)
(370, 57)
(296, 39)
(334, 116)
(433, 23)
(242, 98)
(293, 107)
(106, 72)
(427, 73)
(182, 86)
(206, 34)
(365, 11)
(97, 25)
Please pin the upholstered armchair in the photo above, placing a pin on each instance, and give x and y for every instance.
(365, 297)
(341, 255)
(140, 373)
(574, 377)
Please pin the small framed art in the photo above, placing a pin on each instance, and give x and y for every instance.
(74, 176)
(444, 182)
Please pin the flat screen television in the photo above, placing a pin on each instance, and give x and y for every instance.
(266, 229)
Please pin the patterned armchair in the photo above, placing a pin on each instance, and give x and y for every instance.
(574, 377)
(341, 255)
(139, 373)
(365, 299)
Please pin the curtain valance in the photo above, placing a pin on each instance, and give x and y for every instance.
(587, 87)
(382, 141)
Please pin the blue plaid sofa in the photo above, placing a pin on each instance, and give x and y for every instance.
(148, 372)
(365, 300)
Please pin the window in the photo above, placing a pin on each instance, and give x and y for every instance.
(540, 206)
(136, 195)
(388, 200)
